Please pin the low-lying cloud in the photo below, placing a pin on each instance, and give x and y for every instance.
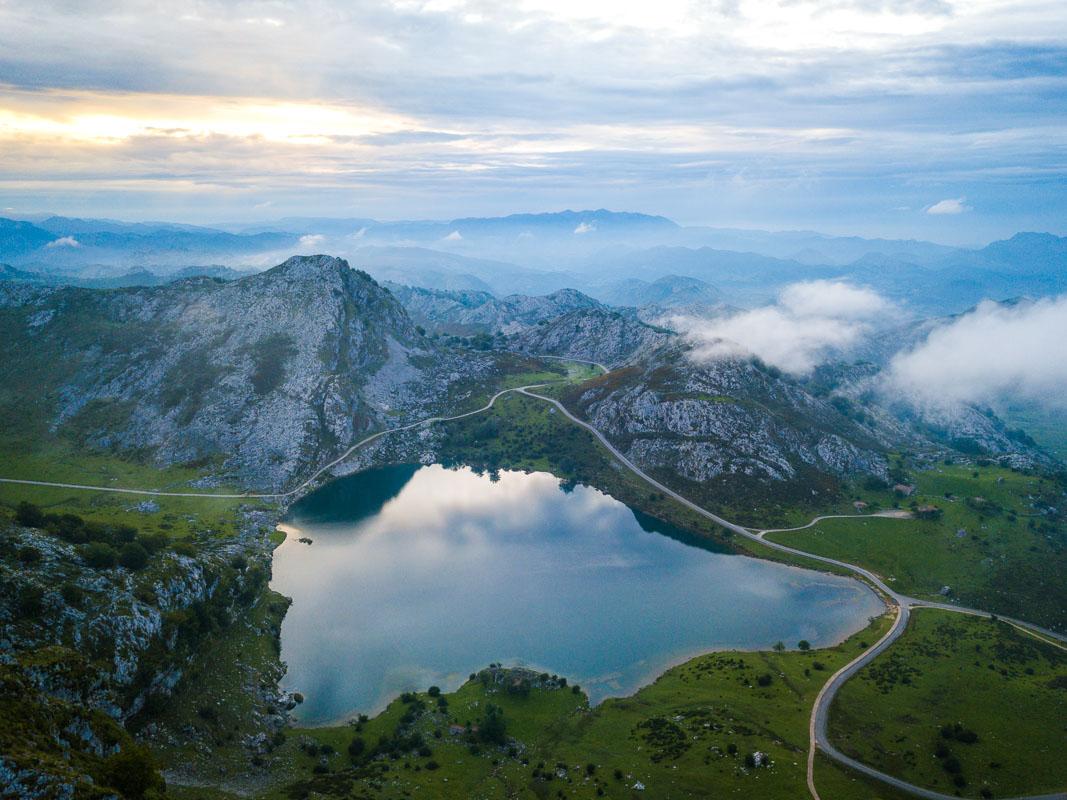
(810, 321)
(953, 205)
(992, 355)
(64, 241)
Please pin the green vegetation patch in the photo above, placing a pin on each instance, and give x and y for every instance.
(996, 541)
(719, 725)
(960, 704)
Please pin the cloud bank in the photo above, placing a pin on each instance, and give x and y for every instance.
(995, 354)
(811, 320)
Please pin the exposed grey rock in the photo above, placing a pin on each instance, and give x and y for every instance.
(610, 337)
(268, 376)
(465, 313)
(726, 417)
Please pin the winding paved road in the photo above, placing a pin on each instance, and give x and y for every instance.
(817, 728)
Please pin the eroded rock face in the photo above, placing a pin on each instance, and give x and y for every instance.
(265, 376)
(728, 417)
(470, 312)
(612, 338)
(91, 651)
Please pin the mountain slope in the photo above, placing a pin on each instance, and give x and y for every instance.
(727, 428)
(270, 374)
(597, 334)
(466, 313)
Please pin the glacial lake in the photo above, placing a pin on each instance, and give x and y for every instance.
(420, 575)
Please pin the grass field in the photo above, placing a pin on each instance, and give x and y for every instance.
(695, 732)
(1004, 689)
(999, 544)
(59, 462)
(1047, 427)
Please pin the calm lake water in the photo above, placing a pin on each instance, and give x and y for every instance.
(421, 575)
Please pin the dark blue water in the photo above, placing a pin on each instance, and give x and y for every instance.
(421, 575)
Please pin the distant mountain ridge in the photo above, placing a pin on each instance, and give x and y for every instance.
(537, 254)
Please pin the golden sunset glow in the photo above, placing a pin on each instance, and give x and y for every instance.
(107, 119)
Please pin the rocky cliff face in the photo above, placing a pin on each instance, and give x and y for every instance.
(609, 337)
(465, 313)
(268, 375)
(732, 421)
(85, 643)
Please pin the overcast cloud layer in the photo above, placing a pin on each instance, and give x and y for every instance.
(941, 119)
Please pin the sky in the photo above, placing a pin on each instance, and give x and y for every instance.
(936, 119)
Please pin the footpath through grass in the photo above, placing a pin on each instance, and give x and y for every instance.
(960, 704)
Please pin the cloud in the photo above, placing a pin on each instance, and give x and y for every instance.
(949, 206)
(835, 299)
(832, 110)
(811, 320)
(64, 241)
(455, 236)
(311, 240)
(990, 355)
(585, 227)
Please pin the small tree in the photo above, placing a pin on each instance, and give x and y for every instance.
(804, 645)
(493, 728)
(779, 647)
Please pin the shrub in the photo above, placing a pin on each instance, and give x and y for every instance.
(133, 773)
(99, 555)
(432, 765)
(72, 594)
(28, 515)
(29, 555)
(209, 713)
(356, 748)
(185, 549)
(434, 691)
(30, 601)
(133, 556)
(154, 542)
(765, 679)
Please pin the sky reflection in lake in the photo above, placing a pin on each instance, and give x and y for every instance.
(421, 575)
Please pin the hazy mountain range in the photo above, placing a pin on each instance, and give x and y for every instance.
(608, 255)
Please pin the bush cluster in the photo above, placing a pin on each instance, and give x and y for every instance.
(103, 545)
